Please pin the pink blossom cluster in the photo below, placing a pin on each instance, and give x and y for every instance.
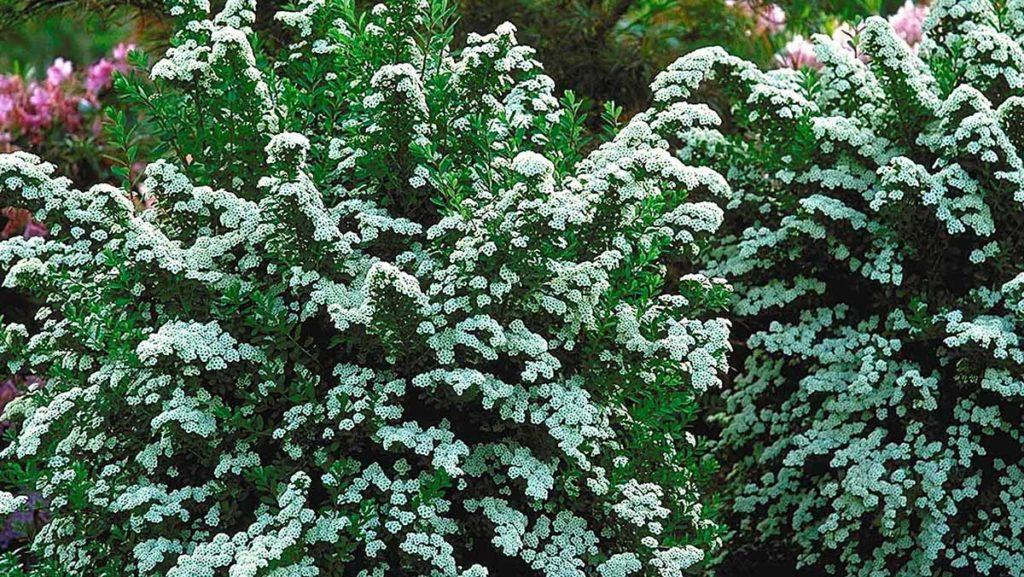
(767, 18)
(63, 101)
(30, 108)
(908, 22)
(799, 51)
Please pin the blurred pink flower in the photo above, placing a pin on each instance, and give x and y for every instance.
(28, 110)
(120, 53)
(58, 72)
(7, 105)
(10, 92)
(35, 228)
(10, 83)
(908, 21)
(99, 77)
(101, 74)
(39, 110)
(798, 53)
(771, 19)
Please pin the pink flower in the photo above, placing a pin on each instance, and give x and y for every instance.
(120, 53)
(35, 228)
(7, 105)
(28, 110)
(798, 53)
(40, 97)
(99, 77)
(20, 223)
(11, 92)
(101, 74)
(771, 19)
(908, 21)
(58, 72)
(39, 113)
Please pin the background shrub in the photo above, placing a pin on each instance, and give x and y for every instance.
(385, 314)
(875, 243)
(610, 50)
(31, 39)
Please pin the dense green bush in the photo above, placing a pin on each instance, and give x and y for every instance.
(385, 316)
(876, 245)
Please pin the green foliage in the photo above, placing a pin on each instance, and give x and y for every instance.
(30, 41)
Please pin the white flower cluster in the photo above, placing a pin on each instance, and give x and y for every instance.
(875, 247)
(10, 503)
(382, 319)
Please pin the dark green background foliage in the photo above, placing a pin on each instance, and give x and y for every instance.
(611, 49)
(34, 42)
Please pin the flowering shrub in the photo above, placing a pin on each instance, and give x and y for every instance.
(385, 317)
(875, 245)
(59, 116)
